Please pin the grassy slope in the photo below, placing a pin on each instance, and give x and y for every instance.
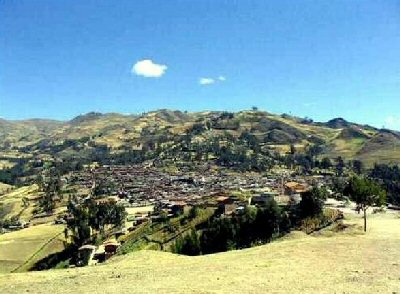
(151, 236)
(12, 203)
(345, 148)
(385, 155)
(4, 188)
(19, 250)
(25, 132)
(319, 131)
(342, 263)
(384, 147)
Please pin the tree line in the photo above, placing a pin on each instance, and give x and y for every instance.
(256, 225)
(260, 225)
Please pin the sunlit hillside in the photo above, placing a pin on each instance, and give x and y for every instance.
(129, 132)
(328, 262)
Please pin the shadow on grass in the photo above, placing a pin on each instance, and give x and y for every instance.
(55, 260)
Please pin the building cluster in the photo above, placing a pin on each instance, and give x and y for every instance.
(151, 195)
(139, 186)
(135, 185)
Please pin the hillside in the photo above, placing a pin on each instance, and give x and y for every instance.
(19, 203)
(338, 137)
(26, 132)
(19, 250)
(346, 262)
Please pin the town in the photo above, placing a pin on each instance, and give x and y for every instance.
(136, 186)
(148, 195)
(140, 186)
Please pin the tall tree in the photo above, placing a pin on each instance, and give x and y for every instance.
(366, 193)
(50, 183)
(340, 165)
(312, 202)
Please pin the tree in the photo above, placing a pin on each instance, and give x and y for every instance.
(50, 183)
(340, 165)
(326, 163)
(101, 186)
(366, 193)
(267, 221)
(357, 166)
(339, 185)
(305, 161)
(188, 245)
(89, 217)
(193, 212)
(312, 202)
(197, 129)
(389, 177)
(314, 150)
(292, 149)
(78, 224)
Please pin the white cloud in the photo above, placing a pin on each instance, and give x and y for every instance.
(206, 81)
(209, 81)
(393, 122)
(147, 68)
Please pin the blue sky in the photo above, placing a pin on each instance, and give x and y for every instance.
(321, 59)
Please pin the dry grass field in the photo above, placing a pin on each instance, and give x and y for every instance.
(4, 188)
(345, 262)
(347, 148)
(19, 250)
(12, 203)
(141, 209)
(4, 164)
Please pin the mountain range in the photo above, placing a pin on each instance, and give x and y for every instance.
(338, 137)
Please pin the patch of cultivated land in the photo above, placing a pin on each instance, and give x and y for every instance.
(347, 262)
(12, 203)
(19, 250)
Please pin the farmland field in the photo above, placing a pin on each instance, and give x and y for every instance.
(140, 209)
(21, 249)
(12, 203)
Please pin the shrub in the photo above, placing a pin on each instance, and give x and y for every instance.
(311, 224)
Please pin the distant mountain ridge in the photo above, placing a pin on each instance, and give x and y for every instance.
(117, 131)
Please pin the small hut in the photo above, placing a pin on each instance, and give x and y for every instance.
(111, 247)
(85, 254)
